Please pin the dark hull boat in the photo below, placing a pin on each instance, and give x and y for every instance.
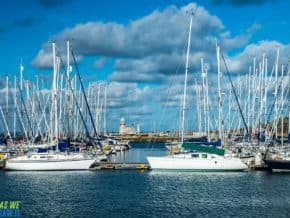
(278, 165)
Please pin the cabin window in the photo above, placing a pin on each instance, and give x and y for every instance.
(204, 155)
(194, 155)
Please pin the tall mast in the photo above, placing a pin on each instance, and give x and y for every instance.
(220, 122)
(266, 90)
(197, 89)
(98, 109)
(288, 100)
(7, 100)
(68, 103)
(254, 88)
(282, 107)
(60, 108)
(14, 116)
(105, 111)
(229, 112)
(239, 96)
(276, 93)
(53, 115)
(207, 104)
(249, 95)
(185, 80)
(5, 122)
(260, 103)
(204, 96)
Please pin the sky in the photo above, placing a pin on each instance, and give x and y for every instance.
(138, 47)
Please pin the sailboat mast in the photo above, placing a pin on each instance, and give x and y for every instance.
(7, 100)
(105, 111)
(14, 116)
(98, 109)
(288, 100)
(5, 122)
(276, 93)
(219, 92)
(68, 106)
(207, 104)
(282, 108)
(204, 97)
(53, 115)
(185, 80)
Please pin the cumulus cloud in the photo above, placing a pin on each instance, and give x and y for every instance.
(122, 95)
(150, 50)
(158, 40)
(242, 61)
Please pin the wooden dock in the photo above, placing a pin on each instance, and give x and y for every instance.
(119, 166)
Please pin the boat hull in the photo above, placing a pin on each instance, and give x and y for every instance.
(52, 165)
(2, 163)
(188, 164)
(278, 165)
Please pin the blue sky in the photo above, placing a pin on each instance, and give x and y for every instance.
(136, 46)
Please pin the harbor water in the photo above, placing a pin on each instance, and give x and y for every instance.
(147, 193)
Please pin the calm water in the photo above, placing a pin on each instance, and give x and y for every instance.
(147, 194)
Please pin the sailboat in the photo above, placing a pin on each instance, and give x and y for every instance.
(204, 160)
(277, 160)
(51, 160)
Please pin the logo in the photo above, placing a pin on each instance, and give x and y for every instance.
(10, 208)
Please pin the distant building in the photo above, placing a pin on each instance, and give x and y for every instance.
(163, 134)
(123, 130)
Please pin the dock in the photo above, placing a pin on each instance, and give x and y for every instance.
(259, 167)
(119, 166)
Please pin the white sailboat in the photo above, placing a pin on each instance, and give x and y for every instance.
(53, 160)
(199, 161)
(49, 162)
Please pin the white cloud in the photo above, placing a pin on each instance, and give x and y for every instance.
(150, 50)
(242, 61)
(148, 47)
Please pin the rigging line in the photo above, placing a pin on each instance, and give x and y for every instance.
(25, 110)
(85, 97)
(235, 94)
(268, 119)
(81, 115)
(77, 104)
(275, 101)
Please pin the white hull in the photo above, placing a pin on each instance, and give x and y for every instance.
(196, 164)
(53, 164)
